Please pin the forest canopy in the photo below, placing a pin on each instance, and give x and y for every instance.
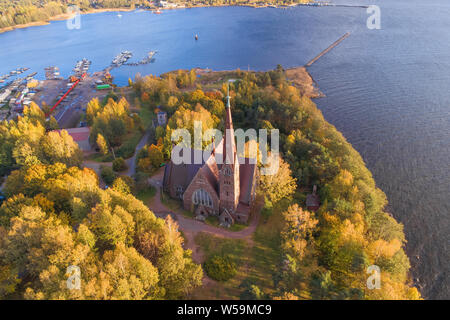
(323, 254)
(56, 216)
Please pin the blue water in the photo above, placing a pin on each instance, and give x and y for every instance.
(387, 90)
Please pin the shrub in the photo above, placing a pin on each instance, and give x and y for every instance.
(107, 174)
(119, 165)
(141, 181)
(251, 291)
(220, 268)
(126, 150)
(124, 184)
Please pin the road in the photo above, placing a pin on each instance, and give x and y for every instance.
(132, 161)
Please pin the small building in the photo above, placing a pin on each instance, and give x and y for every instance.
(161, 118)
(313, 200)
(103, 87)
(4, 96)
(80, 136)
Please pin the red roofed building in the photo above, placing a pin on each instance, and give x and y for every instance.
(313, 200)
(80, 136)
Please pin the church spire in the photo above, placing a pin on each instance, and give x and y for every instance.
(228, 95)
(229, 147)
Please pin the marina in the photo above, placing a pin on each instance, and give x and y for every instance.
(16, 95)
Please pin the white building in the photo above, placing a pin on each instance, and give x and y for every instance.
(4, 95)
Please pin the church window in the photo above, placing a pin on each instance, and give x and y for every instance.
(179, 191)
(202, 197)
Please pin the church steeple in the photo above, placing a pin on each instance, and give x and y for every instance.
(229, 146)
(229, 183)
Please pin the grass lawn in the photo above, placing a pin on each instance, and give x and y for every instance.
(126, 150)
(98, 157)
(175, 205)
(256, 263)
(266, 251)
(237, 227)
(236, 248)
(214, 221)
(146, 116)
(147, 194)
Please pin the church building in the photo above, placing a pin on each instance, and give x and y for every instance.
(225, 188)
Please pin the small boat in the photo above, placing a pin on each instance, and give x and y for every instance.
(157, 11)
(119, 15)
(196, 37)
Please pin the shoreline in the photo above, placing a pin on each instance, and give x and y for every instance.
(66, 16)
(298, 76)
(61, 17)
(302, 79)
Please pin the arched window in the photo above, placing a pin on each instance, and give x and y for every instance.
(202, 197)
(227, 171)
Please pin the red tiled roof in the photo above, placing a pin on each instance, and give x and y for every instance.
(78, 134)
(312, 200)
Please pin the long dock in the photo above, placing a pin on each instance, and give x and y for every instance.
(334, 44)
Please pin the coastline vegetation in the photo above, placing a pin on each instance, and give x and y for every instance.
(323, 254)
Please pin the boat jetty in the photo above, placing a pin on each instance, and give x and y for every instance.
(31, 76)
(81, 67)
(148, 59)
(121, 58)
(333, 45)
(52, 73)
(12, 73)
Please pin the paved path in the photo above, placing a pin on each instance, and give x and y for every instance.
(191, 227)
(132, 161)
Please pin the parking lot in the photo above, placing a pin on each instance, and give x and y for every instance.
(69, 112)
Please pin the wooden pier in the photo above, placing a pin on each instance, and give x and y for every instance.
(334, 44)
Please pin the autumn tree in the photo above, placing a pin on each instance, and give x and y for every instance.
(279, 185)
(112, 243)
(297, 232)
(101, 144)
